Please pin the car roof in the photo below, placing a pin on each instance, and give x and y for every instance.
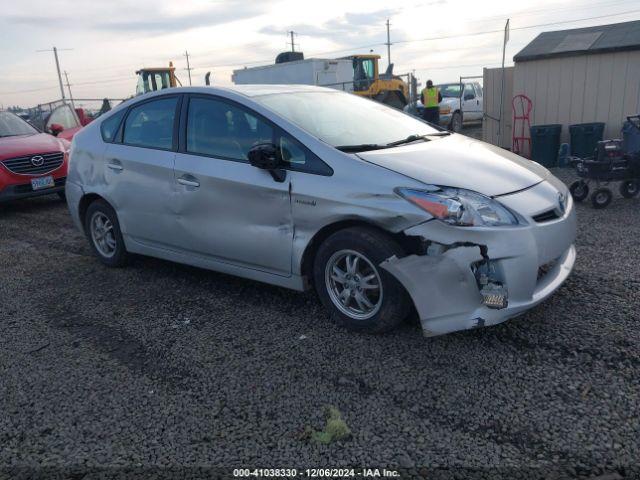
(246, 90)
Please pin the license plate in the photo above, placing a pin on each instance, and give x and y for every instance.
(42, 182)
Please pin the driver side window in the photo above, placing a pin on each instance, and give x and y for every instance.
(469, 94)
(224, 130)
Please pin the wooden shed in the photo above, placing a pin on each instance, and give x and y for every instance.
(578, 76)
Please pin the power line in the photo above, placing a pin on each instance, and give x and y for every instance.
(516, 28)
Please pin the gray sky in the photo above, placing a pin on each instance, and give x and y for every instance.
(439, 39)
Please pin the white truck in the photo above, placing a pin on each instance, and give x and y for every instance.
(461, 104)
(336, 73)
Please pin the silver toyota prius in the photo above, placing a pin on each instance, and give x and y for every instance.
(307, 187)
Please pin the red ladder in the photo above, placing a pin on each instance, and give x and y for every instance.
(522, 106)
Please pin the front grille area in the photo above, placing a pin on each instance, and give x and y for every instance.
(546, 216)
(25, 165)
(26, 188)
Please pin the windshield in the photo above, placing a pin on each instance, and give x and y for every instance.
(450, 90)
(12, 125)
(342, 119)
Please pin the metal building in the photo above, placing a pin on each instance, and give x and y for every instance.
(582, 75)
(578, 76)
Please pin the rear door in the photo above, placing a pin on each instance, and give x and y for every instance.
(226, 209)
(138, 170)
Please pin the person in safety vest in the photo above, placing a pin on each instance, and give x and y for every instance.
(431, 99)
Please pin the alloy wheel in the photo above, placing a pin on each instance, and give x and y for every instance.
(354, 284)
(103, 235)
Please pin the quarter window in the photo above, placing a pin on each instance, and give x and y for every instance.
(224, 130)
(151, 124)
(298, 158)
(109, 127)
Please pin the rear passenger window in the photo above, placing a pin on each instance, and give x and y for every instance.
(221, 129)
(109, 127)
(151, 124)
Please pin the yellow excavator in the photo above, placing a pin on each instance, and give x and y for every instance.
(152, 79)
(368, 82)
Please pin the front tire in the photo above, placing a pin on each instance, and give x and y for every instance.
(103, 232)
(579, 190)
(601, 198)
(359, 294)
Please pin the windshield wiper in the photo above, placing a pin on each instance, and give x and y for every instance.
(364, 147)
(409, 139)
(443, 133)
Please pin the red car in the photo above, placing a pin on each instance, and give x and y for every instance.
(31, 163)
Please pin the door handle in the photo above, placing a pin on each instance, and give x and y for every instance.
(115, 166)
(188, 183)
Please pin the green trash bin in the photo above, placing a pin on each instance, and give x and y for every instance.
(585, 138)
(545, 143)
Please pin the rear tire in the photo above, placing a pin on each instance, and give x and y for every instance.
(579, 190)
(629, 188)
(601, 198)
(359, 294)
(103, 232)
(62, 196)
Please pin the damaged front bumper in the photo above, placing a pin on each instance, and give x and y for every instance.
(461, 283)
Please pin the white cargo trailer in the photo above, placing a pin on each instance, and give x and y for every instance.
(336, 73)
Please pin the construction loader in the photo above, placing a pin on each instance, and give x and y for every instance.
(152, 79)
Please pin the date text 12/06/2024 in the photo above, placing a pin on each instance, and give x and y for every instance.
(316, 472)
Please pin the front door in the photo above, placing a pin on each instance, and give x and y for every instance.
(138, 172)
(471, 108)
(225, 208)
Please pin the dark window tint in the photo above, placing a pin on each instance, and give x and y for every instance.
(109, 127)
(222, 129)
(296, 157)
(151, 124)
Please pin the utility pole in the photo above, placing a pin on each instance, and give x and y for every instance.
(55, 54)
(66, 76)
(388, 44)
(504, 49)
(293, 45)
(186, 54)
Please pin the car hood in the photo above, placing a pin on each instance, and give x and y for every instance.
(462, 162)
(23, 145)
(450, 102)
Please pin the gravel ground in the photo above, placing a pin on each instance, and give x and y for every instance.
(162, 365)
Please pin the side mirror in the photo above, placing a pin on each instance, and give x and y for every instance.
(267, 157)
(469, 96)
(55, 129)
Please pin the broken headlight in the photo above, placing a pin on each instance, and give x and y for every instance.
(460, 207)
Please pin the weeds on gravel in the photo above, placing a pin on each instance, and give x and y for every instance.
(335, 429)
